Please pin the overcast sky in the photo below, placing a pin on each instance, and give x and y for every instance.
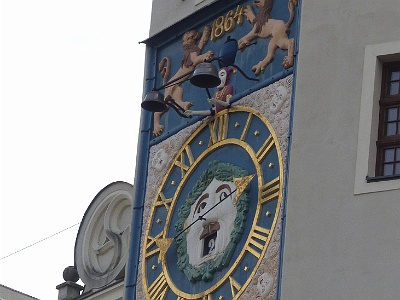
(71, 87)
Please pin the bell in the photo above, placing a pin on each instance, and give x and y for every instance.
(154, 102)
(227, 53)
(205, 75)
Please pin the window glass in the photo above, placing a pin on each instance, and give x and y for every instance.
(389, 155)
(391, 129)
(394, 88)
(395, 75)
(391, 164)
(387, 169)
(392, 114)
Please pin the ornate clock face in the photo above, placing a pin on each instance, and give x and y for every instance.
(215, 211)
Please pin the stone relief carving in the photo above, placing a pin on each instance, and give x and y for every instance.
(278, 99)
(191, 58)
(266, 27)
(102, 245)
(265, 284)
(226, 219)
(160, 160)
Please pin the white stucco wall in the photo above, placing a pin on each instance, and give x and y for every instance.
(338, 245)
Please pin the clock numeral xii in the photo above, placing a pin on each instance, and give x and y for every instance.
(218, 129)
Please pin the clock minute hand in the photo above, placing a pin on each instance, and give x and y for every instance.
(202, 216)
(165, 243)
(240, 183)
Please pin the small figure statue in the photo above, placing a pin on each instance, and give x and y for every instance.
(221, 97)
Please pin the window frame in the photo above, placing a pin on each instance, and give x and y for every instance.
(386, 101)
(365, 180)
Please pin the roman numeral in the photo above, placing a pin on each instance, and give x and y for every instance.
(257, 241)
(218, 129)
(186, 154)
(270, 190)
(150, 242)
(159, 288)
(235, 286)
(161, 200)
(265, 148)
(246, 127)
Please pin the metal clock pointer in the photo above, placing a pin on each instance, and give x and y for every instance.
(241, 183)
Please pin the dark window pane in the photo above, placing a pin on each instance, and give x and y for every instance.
(397, 169)
(388, 169)
(391, 129)
(392, 114)
(394, 88)
(395, 75)
(398, 154)
(389, 155)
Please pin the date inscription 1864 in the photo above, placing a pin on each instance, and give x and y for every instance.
(227, 23)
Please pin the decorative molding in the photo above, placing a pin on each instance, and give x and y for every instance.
(374, 57)
(102, 244)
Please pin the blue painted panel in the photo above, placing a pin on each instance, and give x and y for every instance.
(171, 47)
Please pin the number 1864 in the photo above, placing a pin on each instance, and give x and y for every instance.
(227, 23)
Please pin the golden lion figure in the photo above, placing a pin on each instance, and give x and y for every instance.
(264, 27)
(191, 58)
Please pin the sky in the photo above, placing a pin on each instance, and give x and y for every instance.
(71, 88)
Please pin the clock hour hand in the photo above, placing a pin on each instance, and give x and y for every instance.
(240, 183)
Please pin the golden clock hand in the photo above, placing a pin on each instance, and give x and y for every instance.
(241, 184)
(163, 244)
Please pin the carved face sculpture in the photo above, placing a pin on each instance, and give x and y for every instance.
(222, 76)
(209, 237)
(264, 284)
(191, 37)
(259, 3)
(160, 159)
(278, 99)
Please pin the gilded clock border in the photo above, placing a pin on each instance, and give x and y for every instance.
(192, 167)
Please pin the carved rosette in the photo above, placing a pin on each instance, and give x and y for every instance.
(102, 244)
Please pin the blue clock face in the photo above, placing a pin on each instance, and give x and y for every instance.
(214, 214)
